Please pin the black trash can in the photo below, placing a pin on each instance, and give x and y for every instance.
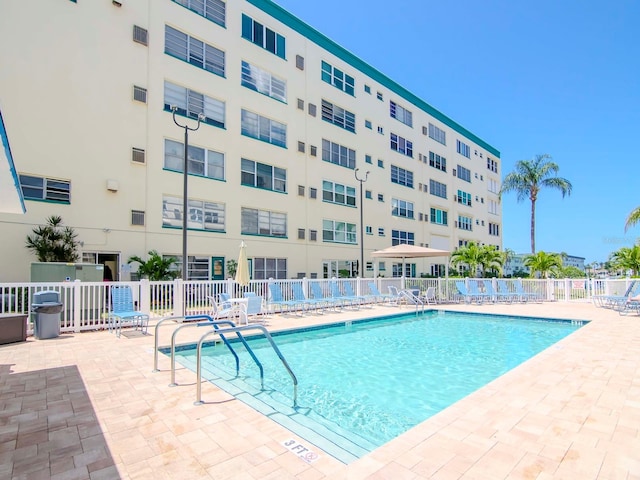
(47, 310)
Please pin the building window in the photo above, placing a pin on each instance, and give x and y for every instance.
(137, 155)
(463, 149)
(313, 192)
(437, 216)
(368, 230)
(197, 267)
(301, 233)
(338, 116)
(338, 232)
(463, 198)
(401, 176)
(193, 51)
(367, 124)
(301, 147)
(379, 96)
(42, 188)
(337, 78)
(399, 237)
(400, 113)
(436, 161)
(337, 193)
(401, 208)
(263, 37)
(299, 62)
(465, 223)
(261, 175)
(137, 217)
(463, 173)
(381, 232)
(214, 10)
(140, 35)
(313, 235)
(263, 222)
(380, 163)
(438, 189)
(338, 154)
(266, 268)
(438, 135)
(401, 145)
(202, 162)
(494, 229)
(139, 94)
(492, 165)
(264, 82)
(492, 185)
(300, 104)
(191, 104)
(209, 216)
(263, 128)
(380, 130)
(367, 89)
(313, 150)
(312, 109)
(367, 159)
(493, 207)
(301, 190)
(381, 197)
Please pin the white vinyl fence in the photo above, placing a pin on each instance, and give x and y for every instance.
(86, 304)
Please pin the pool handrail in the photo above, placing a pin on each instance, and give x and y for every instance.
(237, 330)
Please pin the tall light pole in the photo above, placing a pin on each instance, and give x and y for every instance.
(361, 180)
(185, 188)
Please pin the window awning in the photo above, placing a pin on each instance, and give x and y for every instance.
(11, 199)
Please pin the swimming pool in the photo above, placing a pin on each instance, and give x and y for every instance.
(362, 383)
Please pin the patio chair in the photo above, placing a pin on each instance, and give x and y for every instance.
(382, 297)
(346, 300)
(219, 310)
(429, 296)
(304, 301)
(524, 295)
(497, 296)
(348, 291)
(318, 295)
(505, 292)
(122, 311)
(618, 301)
(474, 289)
(252, 309)
(608, 300)
(464, 294)
(276, 298)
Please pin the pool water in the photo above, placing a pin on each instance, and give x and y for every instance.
(363, 383)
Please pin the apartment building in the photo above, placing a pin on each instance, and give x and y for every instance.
(87, 90)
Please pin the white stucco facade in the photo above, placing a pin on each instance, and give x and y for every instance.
(102, 159)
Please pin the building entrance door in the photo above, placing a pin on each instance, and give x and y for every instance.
(217, 268)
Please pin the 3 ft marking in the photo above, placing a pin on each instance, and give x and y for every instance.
(301, 451)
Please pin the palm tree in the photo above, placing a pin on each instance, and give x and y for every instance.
(491, 259)
(157, 267)
(470, 255)
(543, 263)
(529, 177)
(633, 218)
(627, 258)
(53, 242)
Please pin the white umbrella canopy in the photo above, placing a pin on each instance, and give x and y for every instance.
(404, 250)
(242, 272)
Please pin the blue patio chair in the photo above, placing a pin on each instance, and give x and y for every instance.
(475, 291)
(339, 296)
(495, 295)
(252, 309)
(122, 311)
(464, 294)
(525, 295)
(362, 299)
(319, 296)
(276, 298)
(306, 303)
(381, 297)
(504, 292)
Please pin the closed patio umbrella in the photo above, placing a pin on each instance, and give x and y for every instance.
(242, 272)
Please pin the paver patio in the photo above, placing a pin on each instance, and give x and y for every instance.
(89, 406)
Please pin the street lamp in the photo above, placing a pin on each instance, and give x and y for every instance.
(185, 188)
(361, 180)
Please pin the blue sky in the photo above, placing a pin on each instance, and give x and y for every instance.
(557, 77)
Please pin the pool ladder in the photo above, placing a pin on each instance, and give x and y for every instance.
(409, 297)
(231, 328)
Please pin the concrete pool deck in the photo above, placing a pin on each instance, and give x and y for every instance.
(88, 406)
